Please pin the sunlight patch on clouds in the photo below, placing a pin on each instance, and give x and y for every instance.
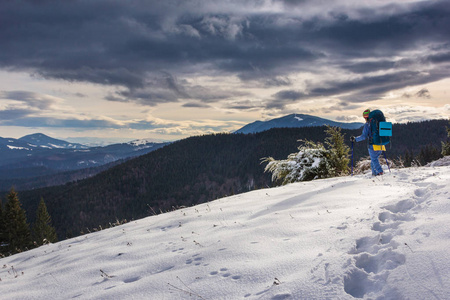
(403, 114)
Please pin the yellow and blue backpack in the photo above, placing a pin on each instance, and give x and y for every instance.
(380, 130)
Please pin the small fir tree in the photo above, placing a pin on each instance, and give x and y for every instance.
(17, 231)
(43, 231)
(339, 151)
(446, 144)
(428, 154)
(2, 227)
(408, 159)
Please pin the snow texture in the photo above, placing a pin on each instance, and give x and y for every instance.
(341, 238)
(445, 161)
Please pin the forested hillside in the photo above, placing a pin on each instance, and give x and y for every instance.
(195, 170)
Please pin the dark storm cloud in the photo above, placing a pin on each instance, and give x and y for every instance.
(290, 95)
(440, 58)
(277, 81)
(371, 66)
(282, 98)
(366, 88)
(196, 105)
(128, 43)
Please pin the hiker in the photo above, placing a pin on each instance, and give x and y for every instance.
(374, 154)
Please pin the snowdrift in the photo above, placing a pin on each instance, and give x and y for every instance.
(340, 238)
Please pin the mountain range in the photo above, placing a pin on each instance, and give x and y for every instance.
(38, 155)
(295, 121)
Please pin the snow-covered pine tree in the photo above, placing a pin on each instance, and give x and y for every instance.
(313, 161)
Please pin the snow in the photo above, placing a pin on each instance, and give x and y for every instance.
(445, 161)
(16, 148)
(140, 142)
(351, 237)
(50, 145)
(299, 119)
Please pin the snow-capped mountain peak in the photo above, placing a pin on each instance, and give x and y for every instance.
(294, 120)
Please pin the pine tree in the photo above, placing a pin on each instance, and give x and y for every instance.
(428, 154)
(2, 227)
(17, 232)
(43, 231)
(408, 159)
(446, 145)
(311, 162)
(339, 151)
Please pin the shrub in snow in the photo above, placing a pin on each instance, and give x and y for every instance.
(363, 164)
(313, 161)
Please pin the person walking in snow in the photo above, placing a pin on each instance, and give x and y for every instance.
(374, 154)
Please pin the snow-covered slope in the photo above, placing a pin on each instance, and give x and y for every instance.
(340, 238)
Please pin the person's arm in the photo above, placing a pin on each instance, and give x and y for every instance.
(365, 133)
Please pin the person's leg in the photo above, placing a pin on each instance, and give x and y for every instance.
(372, 166)
(374, 162)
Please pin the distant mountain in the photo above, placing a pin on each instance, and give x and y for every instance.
(44, 141)
(40, 155)
(294, 121)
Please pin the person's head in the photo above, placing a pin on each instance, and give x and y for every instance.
(366, 114)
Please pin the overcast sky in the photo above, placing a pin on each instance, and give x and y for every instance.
(175, 68)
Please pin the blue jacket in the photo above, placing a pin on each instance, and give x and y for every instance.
(365, 133)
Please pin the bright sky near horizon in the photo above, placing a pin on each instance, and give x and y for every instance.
(166, 70)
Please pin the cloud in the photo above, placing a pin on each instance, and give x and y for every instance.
(423, 93)
(244, 105)
(147, 48)
(406, 113)
(278, 81)
(370, 66)
(13, 114)
(196, 105)
(31, 121)
(30, 99)
(290, 95)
